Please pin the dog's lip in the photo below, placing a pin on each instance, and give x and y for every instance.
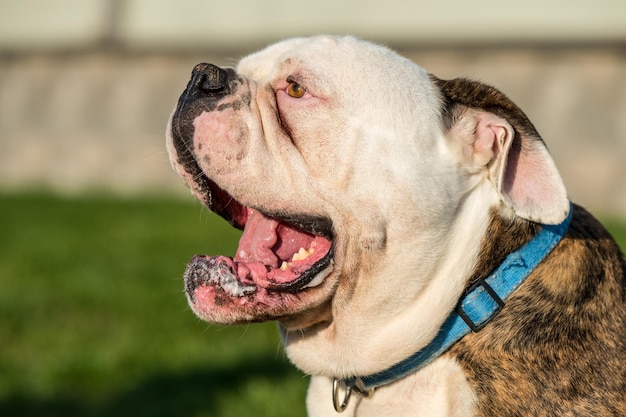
(239, 279)
(245, 289)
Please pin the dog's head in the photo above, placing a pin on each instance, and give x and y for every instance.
(358, 180)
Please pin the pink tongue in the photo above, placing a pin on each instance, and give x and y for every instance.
(258, 238)
(264, 245)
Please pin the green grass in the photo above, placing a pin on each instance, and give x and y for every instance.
(94, 322)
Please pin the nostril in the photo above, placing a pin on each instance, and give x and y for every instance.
(210, 78)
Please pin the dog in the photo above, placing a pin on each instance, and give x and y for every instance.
(411, 236)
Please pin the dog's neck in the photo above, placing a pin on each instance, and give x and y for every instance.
(479, 304)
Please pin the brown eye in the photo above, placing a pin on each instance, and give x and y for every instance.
(295, 90)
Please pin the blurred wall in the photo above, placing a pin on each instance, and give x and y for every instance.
(86, 86)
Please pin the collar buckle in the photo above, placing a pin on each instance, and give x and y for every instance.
(490, 305)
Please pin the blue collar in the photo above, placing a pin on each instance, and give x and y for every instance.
(479, 304)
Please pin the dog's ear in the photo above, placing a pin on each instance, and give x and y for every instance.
(497, 136)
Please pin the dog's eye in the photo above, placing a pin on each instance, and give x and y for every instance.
(295, 90)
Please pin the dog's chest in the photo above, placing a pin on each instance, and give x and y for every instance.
(438, 390)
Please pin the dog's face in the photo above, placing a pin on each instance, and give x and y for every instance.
(361, 183)
(279, 148)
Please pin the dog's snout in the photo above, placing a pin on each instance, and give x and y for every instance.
(210, 79)
(207, 86)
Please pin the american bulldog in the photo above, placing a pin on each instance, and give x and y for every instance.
(411, 235)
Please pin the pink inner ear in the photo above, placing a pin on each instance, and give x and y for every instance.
(533, 186)
(522, 169)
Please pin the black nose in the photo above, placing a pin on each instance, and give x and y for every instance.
(210, 79)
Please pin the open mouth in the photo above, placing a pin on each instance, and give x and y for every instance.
(277, 254)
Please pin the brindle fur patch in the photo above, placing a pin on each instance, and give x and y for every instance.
(462, 92)
(558, 347)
